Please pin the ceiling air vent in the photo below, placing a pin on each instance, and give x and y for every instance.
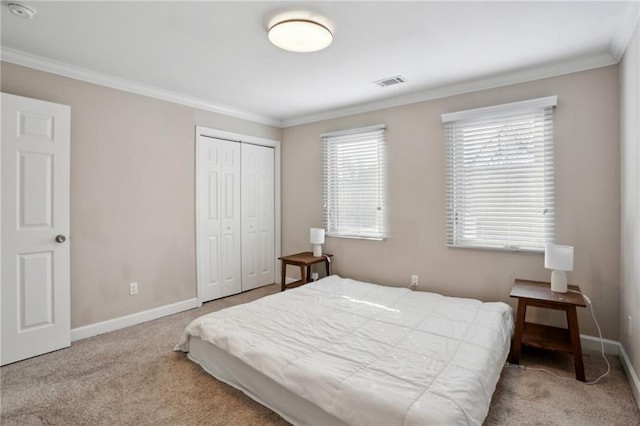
(390, 81)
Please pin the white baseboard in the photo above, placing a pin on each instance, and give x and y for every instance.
(634, 382)
(133, 319)
(591, 343)
(613, 347)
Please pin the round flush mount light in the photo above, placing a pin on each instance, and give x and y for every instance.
(22, 11)
(300, 35)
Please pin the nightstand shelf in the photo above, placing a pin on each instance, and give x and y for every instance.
(547, 337)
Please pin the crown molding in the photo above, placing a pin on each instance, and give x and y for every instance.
(44, 64)
(582, 63)
(622, 37)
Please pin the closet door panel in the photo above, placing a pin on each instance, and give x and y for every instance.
(208, 230)
(258, 180)
(231, 270)
(218, 231)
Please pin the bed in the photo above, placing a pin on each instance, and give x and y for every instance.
(339, 351)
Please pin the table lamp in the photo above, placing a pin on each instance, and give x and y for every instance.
(559, 259)
(316, 236)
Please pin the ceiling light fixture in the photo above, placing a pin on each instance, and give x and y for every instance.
(300, 35)
(22, 11)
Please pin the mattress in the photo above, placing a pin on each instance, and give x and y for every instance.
(358, 353)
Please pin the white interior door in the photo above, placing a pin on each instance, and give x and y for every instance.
(218, 204)
(35, 290)
(258, 204)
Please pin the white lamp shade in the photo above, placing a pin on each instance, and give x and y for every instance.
(316, 235)
(558, 258)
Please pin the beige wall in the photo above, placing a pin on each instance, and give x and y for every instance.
(132, 192)
(630, 222)
(132, 195)
(587, 197)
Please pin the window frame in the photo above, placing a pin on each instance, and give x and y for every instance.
(539, 146)
(331, 168)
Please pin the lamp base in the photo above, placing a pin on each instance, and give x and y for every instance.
(317, 250)
(559, 281)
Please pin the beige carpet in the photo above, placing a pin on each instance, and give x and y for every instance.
(133, 377)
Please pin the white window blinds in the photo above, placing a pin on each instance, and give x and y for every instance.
(354, 183)
(500, 177)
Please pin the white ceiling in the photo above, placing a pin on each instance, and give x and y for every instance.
(216, 55)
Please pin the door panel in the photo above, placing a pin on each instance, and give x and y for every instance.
(35, 189)
(214, 256)
(258, 204)
(209, 285)
(218, 201)
(213, 195)
(35, 209)
(35, 283)
(231, 267)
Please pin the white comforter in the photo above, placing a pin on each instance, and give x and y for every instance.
(369, 354)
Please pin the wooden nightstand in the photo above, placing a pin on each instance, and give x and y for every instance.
(539, 294)
(304, 260)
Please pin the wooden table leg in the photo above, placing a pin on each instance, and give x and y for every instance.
(327, 265)
(516, 345)
(572, 321)
(284, 276)
(303, 274)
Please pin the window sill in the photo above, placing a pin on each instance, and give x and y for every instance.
(356, 237)
(504, 249)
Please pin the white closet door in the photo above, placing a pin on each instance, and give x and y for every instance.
(219, 233)
(258, 184)
(35, 228)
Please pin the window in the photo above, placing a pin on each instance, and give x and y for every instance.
(500, 179)
(354, 180)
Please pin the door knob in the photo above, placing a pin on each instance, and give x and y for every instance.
(61, 239)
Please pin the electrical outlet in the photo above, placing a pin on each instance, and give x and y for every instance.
(133, 289)
(629, 322)
(414, 282)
